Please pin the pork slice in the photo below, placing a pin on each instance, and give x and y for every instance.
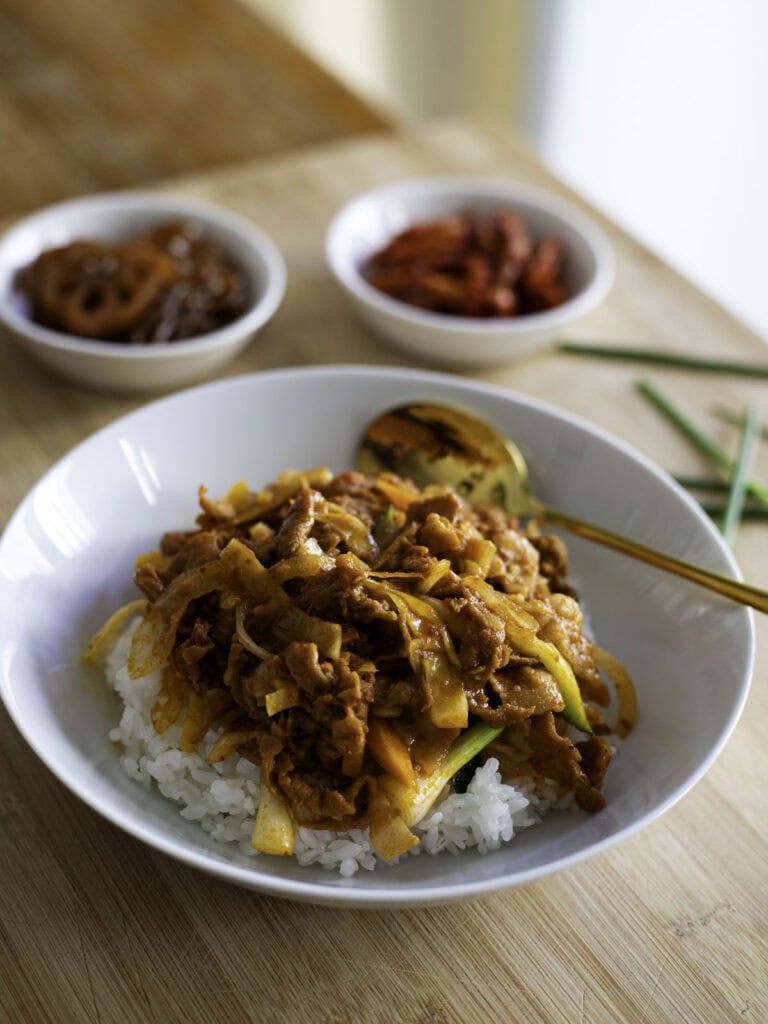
(556, 757)
(356, 493)
(325, 594)
(513, 696)
(197, 549)
(297, 525)
(190, 652)
(553, 562)
(483, 649)
(446, 505)
(596, 755)
(440, 536)
(148, 581)
(393, 697)
(303, 664)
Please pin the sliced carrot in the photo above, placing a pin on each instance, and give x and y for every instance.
(390, 753)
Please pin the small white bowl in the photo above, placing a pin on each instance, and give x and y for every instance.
(117, 217)
(371, 220)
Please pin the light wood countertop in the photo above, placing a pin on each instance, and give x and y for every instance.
(668, 926)
(96, 95)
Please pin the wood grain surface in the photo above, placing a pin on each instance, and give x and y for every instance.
(111, 95)
(668, 926)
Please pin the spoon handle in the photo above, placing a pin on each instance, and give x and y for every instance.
(744, 593)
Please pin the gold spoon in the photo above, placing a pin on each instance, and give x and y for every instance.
(439, 444)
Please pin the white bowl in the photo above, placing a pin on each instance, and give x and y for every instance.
(66, 560)
(371, 220)
(118, 216)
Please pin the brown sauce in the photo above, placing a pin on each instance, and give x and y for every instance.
(170, 285)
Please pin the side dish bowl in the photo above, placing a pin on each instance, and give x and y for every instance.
(113, 218)
(371, 220)
(67, 557)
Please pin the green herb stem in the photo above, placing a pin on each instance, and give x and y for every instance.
(734, 505)
(710, 484)
(713, 485)
(715, 510)
(704, 443)
(663, 358)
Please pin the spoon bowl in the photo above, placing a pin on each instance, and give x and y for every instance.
(433, 443)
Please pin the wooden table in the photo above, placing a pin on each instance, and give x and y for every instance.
(669, 926)
(113, 95)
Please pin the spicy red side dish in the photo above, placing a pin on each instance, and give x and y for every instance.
(471, 266)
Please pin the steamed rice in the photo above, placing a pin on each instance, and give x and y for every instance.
(223, 797)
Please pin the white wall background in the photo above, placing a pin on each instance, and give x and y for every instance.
(656, 110)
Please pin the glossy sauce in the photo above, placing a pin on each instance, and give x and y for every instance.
(168, 286)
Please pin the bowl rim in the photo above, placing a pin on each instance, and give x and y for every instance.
(259, 312)
(377, 896)
(507, 190)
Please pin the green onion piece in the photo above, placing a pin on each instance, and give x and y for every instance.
(469, 743)
(413, 804)
(386, 520)
(694, 434)
(715, 510)
(735, 502)
(663, 358)
(703, 483)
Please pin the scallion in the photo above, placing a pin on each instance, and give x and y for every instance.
(711, 484)
(663, 358)
(715, 510)
(704, 443)
(735, 502)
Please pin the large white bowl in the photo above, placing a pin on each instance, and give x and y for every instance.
(369, 221)
(67, 555)
(115, 217)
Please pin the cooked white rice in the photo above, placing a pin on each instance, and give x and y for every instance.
(223, 797)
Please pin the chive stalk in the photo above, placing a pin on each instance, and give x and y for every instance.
(715, 510)
(735, 502)
(714, 485)
(663, 358)
(704, 443)
(711, 484)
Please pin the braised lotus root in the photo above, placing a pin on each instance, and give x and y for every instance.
(471, 266)
(171, 285)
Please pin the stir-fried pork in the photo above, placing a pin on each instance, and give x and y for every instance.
(346, 600)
